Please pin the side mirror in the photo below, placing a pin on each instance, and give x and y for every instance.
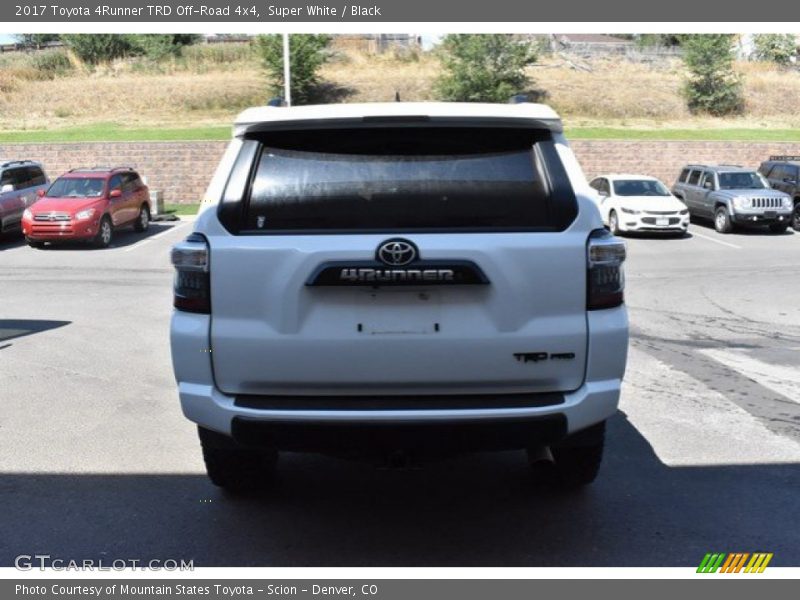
(41, 192)
(6, 188)
(115, 193)
(709, 185)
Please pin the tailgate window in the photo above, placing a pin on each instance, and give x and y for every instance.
(412, 179)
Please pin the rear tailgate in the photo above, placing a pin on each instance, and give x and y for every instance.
(495, 203)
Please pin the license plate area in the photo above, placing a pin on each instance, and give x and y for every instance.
(394, 312)
(662, 221)
(770, 214)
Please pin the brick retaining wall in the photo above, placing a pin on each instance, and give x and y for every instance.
(181, 170)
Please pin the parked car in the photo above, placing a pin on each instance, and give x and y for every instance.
(731, 195)
(20, 182)
(88, 205)
(783, 173)
(398, 278)
(639, 203)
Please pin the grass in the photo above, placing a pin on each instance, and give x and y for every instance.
(718, 134)
(181, 209)
(111, 132)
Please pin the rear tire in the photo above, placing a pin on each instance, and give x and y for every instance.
(104, 233)
(577, 459)
(722, 220)
(779, 227)
(234, 468)
(143, 220)
(796, 215)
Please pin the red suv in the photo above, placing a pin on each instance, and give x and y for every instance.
(88, 204)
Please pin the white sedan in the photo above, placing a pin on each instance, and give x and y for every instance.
(631, 203)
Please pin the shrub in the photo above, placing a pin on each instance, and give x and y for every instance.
(160, 46)
(308, 52)
(483, 67)
(95, 48)
(775, 47)
(51, 63)
(713, 87)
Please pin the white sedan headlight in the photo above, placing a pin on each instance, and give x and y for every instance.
(630, 211)
(85, 214)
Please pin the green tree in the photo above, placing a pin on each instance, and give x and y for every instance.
(713, 86)
(484, 67)
(160, 46)
(95, 48)
(36, 40)
(775, 47)
(308, 52)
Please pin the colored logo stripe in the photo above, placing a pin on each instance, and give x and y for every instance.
(733, 562)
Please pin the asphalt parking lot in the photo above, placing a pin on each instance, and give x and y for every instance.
(98, 462)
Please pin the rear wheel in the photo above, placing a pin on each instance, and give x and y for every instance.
(104, 233)
(577, 459)
(796, 215)
(778, 227)
(236, 468)
(722, 220)
(613, 222)
(143, 220)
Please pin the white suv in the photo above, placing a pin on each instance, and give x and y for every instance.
(398, 278)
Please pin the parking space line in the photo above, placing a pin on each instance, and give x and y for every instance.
(781, 379)
(155, 237)
(711, 239)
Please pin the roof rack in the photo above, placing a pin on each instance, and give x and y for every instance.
(99, 168)
(8, 163)
(784, 158)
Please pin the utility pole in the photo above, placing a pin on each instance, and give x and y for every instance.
(287, 72)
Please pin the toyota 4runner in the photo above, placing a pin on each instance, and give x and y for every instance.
(384, 278)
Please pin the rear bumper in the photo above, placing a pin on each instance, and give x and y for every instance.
(545, 417)
(592, 403)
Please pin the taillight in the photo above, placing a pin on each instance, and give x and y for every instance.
(605, 277)
(192, 283)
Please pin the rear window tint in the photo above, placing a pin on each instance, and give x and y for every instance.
(402, 179)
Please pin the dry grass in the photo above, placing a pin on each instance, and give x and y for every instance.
(376, 78)
(624, 94)
(210, 84)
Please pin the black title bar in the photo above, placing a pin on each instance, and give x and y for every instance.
(439, 11)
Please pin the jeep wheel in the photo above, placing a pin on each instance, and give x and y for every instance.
(104, 233)
(778, 227)
(796, 216)
(613, 223)
(577, 459)
(236, 469)
(722, 220)
(143, 220)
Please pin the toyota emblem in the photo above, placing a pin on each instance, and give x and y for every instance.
(397, 253)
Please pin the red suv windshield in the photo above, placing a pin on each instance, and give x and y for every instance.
(76, 187)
